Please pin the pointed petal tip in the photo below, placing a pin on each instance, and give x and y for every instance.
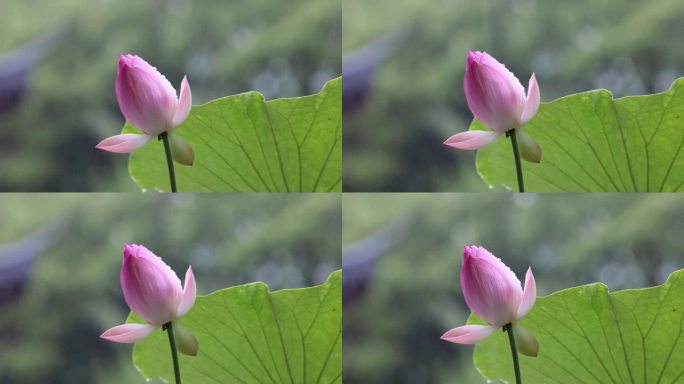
(469, 251)
(468, 334)
(532, 101)
(529, 296)
(189, 294)
(124, 143)
(127, 333)
(184, 103)
(471, 140)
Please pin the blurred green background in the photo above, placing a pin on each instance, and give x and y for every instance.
(414, 99)
(399, 305)
(280, 48)
(49, 333)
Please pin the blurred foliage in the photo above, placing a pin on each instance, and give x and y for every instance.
(51, 333)
(279, 48)
(394, 142)
(391, 335)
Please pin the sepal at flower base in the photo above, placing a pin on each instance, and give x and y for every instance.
(529, 149)
(181, 151)
(186, 343)
(525, 342)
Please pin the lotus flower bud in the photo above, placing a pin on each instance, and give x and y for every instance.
(147, 101)
(497, 99)
(490, 288)
(146, 98)
(494, 294)
(495, 96)
(153, 291)
(151, 288)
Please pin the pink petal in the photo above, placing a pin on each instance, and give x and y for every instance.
(189, 294)
(471, 139)
(125, 143)
(468, 334)
(184, 103)
(150, 287)
(495, 96)
(127, 333)
(490, 288)
(532, 103)
(529, 295)
(145, 96)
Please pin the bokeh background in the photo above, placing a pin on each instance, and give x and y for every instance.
(404, 60)
(402, 255)
(58, 63)
(60, 257)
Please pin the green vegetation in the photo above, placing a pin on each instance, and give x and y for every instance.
(591, 335)
(394, 142)
(50, 334)
(392, 332)
(281, 49)
(243, 144)
(250, 335)
(594, 143)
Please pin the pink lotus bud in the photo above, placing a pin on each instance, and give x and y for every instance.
(147, 101)
(153, 291)
(496, 98)
(493, 293)
(490, 288)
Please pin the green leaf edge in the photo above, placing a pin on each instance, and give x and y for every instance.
(474, 319)
(333, 278)
(330, 84)
(476, 125)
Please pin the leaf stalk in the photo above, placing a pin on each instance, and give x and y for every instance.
(516, 155)
(168, 327)
(514, 352)
(169, 160)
